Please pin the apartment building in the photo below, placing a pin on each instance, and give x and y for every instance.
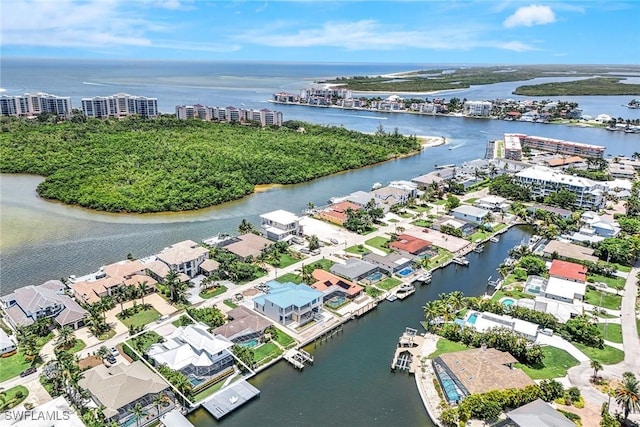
(120, 105)
(560, 146)
(33, 104)
(512, 147)
(477, 108)
(264, 117)
(543, 181)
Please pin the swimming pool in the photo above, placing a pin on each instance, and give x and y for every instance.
(336, 302)
(405, 272)
(472, 318)
(375, 276)
(195, 381)
(251, 343)
(508, 302)
(450, 388)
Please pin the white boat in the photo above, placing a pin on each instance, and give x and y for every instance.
(391, 298)
(494, 239)
(479, 249)
(461, 260)
(424, 277)
(376, 186)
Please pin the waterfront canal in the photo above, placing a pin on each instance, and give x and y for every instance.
(350, 383)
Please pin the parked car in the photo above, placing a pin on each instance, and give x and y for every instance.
(28, 371)
(114, 351)
(334, 241)
(162, 318)
(111, 360)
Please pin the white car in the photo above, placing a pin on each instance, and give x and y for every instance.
(114, 351)
(334, 241)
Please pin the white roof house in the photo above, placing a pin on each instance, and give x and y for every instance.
(190, 345)
(184, 257)
(7, 345)
(280, 224)
(493, 203)
(486, 320)
(469, 213)
(563, 290)
(54, 413)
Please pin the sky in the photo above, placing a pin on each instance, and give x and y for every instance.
(400, 31)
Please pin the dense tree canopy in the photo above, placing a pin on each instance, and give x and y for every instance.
(166, 164)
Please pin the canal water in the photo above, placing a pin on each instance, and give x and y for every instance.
(350, 382)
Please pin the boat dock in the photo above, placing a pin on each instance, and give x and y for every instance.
(405, 290)
(407, 355)
(297, 357)
(230, 398)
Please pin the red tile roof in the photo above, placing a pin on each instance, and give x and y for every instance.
(325, 280)
(410, 244)
(568, 270)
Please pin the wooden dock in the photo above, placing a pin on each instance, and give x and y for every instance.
(230, 398)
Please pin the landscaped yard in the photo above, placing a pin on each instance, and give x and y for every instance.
(612, 282)
(290, 277)
(623, 268)
(554, 364)
(607, 355)
(323, 264)
(11, 399)
(12, 366)
(146, 340)
(515, 294)
(388, 283)
(286, 260)
(109, 334)
(79, 345)
(471, 200)
(479, 235)
(422, 223)
(611, 332)
(499, 227)
(213, 292)
(357, 249)
(283, 339)
(141, 318)
(446, 346)
(442, 257)
(603, 299)
(378, 243)
(266, 352)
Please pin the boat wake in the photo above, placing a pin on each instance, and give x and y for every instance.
(92, 84)
(371, 117)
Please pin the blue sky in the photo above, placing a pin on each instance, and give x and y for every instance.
(438, 31)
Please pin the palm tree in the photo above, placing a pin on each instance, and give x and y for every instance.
(103, 352)
(120, 297)
(596, 366)
(455, 299)
(66, 338)
(158, 400)
(3, 397)
(246, 227)
(138, 412)
(172, 280)
(432, 310)
(628, 395)
(143, 289)
(307, 274)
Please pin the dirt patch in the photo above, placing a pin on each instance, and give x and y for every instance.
(589, 415)
(250, 292)
(89, 362)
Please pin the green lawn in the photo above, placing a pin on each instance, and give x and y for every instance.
(12, 366)
(208, 391)
(446, 346)
(286, 260)
(378, 243)
(479, 235)
(213, 292)
(623, 268)
(388, 283)
(290, 277)
(515, 294)
(499, 227)
(607, 355)
(109, 334)
(554, 364)
(612, 282)
(266, 351)
(471, 201)
(283, 339)
(141, 318)
(357, 249)
(603, 299)
(442, 257)
(422, 223)
(147, 339)
(439, 202)
(611, 332)
(323, 264)
(10, 399)
(638, 327)
(79, 345)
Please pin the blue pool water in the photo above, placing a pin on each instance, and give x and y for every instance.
(405, 272)
(336, 302)
(375, 276)
(507, 302)
(195, 381)
(450, 389)
(472, 318)
(251, 343)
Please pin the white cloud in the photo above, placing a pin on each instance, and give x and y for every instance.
(528, 16)
(517, 46)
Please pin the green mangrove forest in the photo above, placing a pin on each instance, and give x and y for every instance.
(462, 78)
(166, 164)
(587, 87)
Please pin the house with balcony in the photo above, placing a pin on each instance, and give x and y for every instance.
(289, 304)
(493, 203)
(27, 305)
(116, 390)
(281, 225)
(337, 212)
(392, 196)
(184, 257)
(246, 246)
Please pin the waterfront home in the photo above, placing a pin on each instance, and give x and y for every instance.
(247, 245)
(202, 357)
(90, 288)
(289, 304)
(484, 321)
(184, 257)
(281, 225)
(465, 227)
(568, 251)
(362, 198)
(243, 326)
(53, 413)
(7, 345)
(561, 310)
(27, 305)
(562, 213)
(568, 271)
(333, 286)
(355, 269)
(563, 290)
(158, 270)
(390, 263)
(428, 180)
(599, 226)
(493, 203)
(535, 414)
(470, 214)
(337, 212)
(116, 390)
(408, 186)
(392, 196)
(209, 266)
(411, 246)
(478, 370)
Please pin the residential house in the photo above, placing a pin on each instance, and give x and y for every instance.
(562, 213)
(106, 280)
(408, 186)
(392, 196)
(289, 304)
(247, 246)
(53, 413)
(568, 251)
(243, 326)
(360, 198)
(493, 203)
(599, 226)
(202, 357)
(536, 414)
(563, 290)
(465, 227)
(354, 269)
(485, 321)
(280, 225)
(116, 390)
(27, 305)
(337, 212)
(411, 246)
(209, 266)
(334, 286)
(470, 214)
(565, 162)
(568, 271)
(158, 270)
(477, 370)
(7, 345)
(184, 257)
(427, 181)
(390, 263)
